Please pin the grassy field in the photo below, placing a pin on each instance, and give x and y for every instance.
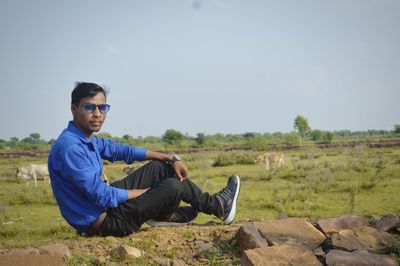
(312, 183)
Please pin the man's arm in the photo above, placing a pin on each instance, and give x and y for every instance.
(154, 155)
(134, 193)
(180, 169)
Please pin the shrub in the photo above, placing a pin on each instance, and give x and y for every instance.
(231, 158)
(224, 159)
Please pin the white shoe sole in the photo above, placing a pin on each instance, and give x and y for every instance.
(158, 224)
(232, 213)
(155, 223)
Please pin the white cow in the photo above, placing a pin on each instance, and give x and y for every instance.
(270, 157)
(33, 171)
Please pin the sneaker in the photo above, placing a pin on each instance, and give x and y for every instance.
(181, 216)
(227, 198)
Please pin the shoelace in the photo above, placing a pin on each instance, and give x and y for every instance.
(225, 194)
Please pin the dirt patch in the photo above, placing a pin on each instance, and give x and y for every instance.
(30, 259)
(19, 154)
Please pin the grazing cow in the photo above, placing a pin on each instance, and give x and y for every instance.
(33, 171)
(269, 158)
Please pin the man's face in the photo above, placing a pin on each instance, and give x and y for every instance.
(89, 122)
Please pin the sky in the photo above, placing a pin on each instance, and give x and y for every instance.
(203, 66)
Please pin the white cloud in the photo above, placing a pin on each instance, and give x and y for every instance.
(111, 50)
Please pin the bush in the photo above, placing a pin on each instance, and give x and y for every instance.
(231, 158)
(224, 159)
(327, 137)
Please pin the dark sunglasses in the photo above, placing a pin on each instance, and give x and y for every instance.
(91, 107)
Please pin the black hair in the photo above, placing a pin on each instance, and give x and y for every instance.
(86, 89)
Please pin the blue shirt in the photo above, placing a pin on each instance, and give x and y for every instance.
(75, 168)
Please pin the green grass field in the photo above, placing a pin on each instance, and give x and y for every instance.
(312, 183)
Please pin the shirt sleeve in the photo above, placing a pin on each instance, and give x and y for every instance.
(81, 172)
(112, 151)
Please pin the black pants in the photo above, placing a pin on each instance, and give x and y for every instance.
(163, 198)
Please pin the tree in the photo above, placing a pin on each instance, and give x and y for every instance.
(397, 129)
(301, 125)
(104, 135)
(172, 136)
(2, 144)
(35, 137)
(327, 137)
(316, 134)
(343, 133)
(292, 138)
(249, 135)
(14, 139)
(127, 138)
(200, 139)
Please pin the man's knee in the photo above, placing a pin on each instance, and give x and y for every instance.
(155, 164)
(174, 184)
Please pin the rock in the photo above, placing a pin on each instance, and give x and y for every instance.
(243, 221)
(100, 260)
(126, 251)
(333, 225)
(319, 252)
(55, 250)
(347, 240)
(358, 258)
(279, 255)
(291, 231)
(31, 260)
(379, 242)
(135, 239)
(387, 223)
(178, 262)
(249, 237)
(163, 261)
(364, 238)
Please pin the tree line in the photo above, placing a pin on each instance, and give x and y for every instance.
(172, 138)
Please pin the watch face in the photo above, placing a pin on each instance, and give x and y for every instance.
(175, 158)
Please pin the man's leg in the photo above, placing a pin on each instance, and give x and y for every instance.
(149, 175)
(163, 198)
(155, 172)
(131, 214)
(199, 200)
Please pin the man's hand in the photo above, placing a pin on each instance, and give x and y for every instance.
(180, 170)
(134, 193)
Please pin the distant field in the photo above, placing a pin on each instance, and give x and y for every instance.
(313, 183)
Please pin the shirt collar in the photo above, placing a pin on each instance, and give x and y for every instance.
(73, 129)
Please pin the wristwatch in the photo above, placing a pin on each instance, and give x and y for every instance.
(175, 158)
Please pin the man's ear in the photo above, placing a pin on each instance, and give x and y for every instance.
(73, 108)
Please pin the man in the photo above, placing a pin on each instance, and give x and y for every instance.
(151, 194)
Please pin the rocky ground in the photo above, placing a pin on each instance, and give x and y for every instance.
(347, 240)
(186, 245)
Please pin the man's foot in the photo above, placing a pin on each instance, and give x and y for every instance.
(227, 199)
(181, 216)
